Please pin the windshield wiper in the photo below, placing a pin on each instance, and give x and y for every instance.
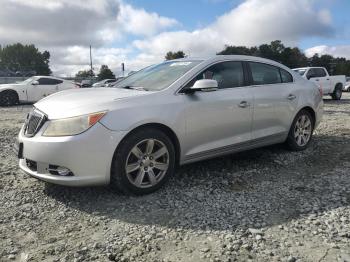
(140, 88)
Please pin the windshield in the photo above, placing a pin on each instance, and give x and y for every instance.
(300, 71)
(348, 79)
(27, 81)
(157, 77)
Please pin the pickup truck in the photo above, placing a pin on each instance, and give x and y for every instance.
(330, 85)
(32, 90)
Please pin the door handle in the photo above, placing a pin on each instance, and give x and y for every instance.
(291, 97)
(327, 78)
(244, 104)
(317, 79)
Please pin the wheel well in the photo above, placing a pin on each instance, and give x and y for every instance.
(339, 85)
(167, 130)
(312, 113)
(10, 91)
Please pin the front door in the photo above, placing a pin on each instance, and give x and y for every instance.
(45, 87)
(218, 120)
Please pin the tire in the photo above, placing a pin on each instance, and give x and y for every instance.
(8, 98)
(337, 93)
(149, 166)
(300, 133)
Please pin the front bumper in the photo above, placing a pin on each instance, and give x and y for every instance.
(88, 156)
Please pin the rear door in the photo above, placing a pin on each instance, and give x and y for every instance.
(218, 120)
(275, 102)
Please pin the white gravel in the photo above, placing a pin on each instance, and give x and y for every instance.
(263, 205)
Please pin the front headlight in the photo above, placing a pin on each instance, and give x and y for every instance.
(73, 125)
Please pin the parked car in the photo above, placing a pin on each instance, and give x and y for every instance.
(117, 80)
(347, 85)
(177, 112)
(86, 83)
(32, 90)
(7, 73)
(103, 83)
(331, 85)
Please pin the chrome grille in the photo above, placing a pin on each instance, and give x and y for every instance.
(35, 120)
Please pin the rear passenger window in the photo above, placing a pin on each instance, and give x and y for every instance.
(286, 76)
(227, 74)
(264, 74)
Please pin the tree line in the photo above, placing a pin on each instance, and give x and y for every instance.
(27, 59)
(292, 57)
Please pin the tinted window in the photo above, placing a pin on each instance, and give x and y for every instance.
(286, 77)
(227, 74)
(263, 74)
(320, 72)
(49, 81)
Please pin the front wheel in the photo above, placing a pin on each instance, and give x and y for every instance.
(8, 98)
(337, 93)
(143, 162)
(300, 132)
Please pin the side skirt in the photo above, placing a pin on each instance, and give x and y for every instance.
(256, 143)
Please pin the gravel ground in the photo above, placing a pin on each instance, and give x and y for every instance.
(263, 205)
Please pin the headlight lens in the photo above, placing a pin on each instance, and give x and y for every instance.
(73, 125)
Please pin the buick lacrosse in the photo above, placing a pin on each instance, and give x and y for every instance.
(133, 136)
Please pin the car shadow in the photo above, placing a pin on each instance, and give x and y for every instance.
(257, 188)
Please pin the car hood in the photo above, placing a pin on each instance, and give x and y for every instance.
(75, 102)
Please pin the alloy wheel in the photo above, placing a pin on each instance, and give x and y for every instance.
(147, 163)
(303, 130)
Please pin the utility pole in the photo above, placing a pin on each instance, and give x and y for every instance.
(123, 68)
(91, 63)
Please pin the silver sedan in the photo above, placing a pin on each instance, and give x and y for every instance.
(133, 136)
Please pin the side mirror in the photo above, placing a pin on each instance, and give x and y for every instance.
(205, 85)
(35, 83)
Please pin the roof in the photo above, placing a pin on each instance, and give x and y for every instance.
(217, 58)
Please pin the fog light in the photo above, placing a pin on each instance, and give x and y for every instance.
(60, 171)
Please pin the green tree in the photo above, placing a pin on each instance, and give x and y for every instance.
(174, 55)
(105, 73)
(18, 57)
(85, 74)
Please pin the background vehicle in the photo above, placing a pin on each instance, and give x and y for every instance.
(86, 83)
(331, 85)
(32, 90)
(347, 85)
(103, 83)
(177, 112)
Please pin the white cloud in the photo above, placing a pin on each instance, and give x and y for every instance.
(252, 22)
(79, 22)
(66, 28)
(336, 51)
(140, 22)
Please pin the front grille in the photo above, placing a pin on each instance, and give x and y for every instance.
(35, 120)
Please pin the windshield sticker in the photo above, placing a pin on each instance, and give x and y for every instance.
(181, 64)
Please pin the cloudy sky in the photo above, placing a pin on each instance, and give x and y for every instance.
(140, 32)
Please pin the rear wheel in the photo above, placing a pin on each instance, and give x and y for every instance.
(143, 162)
(337, 93)
(300, 133)
(8, 98)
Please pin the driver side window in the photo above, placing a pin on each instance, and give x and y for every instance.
(227, 74)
